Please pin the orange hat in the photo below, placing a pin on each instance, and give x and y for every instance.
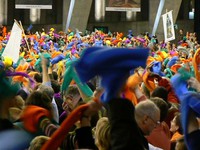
(131, 83)
(150, 59)
(130, 95)
(196, 63)
(162, 54)
(148, 81)
(21, 68)
(175, 67)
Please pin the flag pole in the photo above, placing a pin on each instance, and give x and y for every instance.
(21, 27)
(71, 8)
(159, 12)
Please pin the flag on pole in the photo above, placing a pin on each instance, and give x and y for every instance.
(13, 46)
(168, 26)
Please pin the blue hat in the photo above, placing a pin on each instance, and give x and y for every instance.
(56, 46)
(113, 65)
(172, 61)
(189, 102)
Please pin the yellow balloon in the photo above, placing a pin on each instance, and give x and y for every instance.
(7, 61)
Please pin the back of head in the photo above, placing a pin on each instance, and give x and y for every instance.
(102, 134)
(162, 105)
(160, 92)
(55, 75)
(40, 99)
(55, 85)
(145, 90)
(47, 90)
(147, 116)
(38, 142)
(38, 77)
(146, 107)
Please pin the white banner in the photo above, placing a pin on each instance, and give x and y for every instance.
(37, 4)
(123, 5)
(13, 46)
(168, 26)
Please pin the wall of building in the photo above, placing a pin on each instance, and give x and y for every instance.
(83, 17)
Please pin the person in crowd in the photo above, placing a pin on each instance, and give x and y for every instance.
(176, 129)
(160, 136)
(134, 123)
(180, 144)
(102, 134)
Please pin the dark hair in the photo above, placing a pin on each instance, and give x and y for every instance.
(39, 99)
(5, 124)
(56, 86)
(23, 94)
(55, 75)
(160, 92)
(178, 122)
(162, 105)
(38, 77)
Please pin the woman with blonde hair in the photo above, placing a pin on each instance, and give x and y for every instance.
(102, 134)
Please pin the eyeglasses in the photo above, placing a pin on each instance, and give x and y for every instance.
(155, 122)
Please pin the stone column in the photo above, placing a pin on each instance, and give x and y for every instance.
(3, 11)
(99, 10)
(80, 14)
(197, 19)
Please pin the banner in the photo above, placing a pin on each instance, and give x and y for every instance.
(123, 5)
(13, 46)
(168, 26)
(29, 4)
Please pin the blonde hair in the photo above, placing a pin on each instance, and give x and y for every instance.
(102, 134)
(38, 142)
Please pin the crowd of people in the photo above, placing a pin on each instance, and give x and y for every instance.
(100, 91)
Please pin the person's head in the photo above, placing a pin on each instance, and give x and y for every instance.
(40, 99)
(181, 31)
(160, 92)
(72, 95)
(16, 108)
(102, 134)
(55, 75)
(180, 144)
(162, 105)
(147, 116)
(145, 90)
(176, 124)
(38, 78)
(23, 94)
(46, 89)
(55, 86)
(38, 142)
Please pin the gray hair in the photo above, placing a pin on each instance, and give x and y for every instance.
(146, 107)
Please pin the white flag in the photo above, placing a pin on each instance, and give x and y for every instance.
(168, 26)
(13, 46)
